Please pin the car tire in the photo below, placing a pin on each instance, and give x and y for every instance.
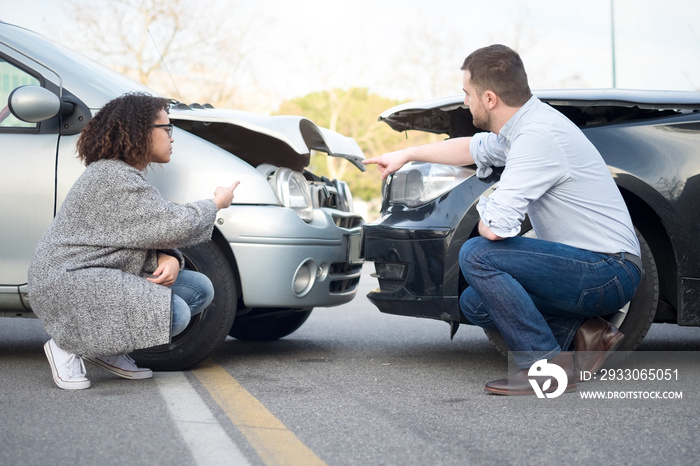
(634, 320)
(206, 329)
(268, 324)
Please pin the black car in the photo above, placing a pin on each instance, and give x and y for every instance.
(650, 141)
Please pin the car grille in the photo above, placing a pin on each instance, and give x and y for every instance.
(349, 222)
(389, 286)
(344, 277)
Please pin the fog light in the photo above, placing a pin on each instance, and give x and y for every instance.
(391, 275)
(391, 270)
(304, 278)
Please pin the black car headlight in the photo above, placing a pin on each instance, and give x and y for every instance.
(416, 184)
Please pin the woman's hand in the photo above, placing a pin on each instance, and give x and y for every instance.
(167, 271)
(223, 195)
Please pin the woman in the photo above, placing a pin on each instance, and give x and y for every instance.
(106, 278)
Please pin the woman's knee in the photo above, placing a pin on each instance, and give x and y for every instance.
(181, 315)
(207, 290)
(195, 289)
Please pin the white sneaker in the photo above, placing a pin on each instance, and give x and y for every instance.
(67, 368)
(121, 365)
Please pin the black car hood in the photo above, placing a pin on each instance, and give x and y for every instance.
(444, 114)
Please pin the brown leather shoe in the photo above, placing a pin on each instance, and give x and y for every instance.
(519, 383)
(594, 341)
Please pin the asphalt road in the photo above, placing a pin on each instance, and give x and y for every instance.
(352, 386)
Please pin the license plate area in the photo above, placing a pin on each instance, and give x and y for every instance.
(354, 248)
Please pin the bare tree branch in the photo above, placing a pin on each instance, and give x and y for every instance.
(205, 50)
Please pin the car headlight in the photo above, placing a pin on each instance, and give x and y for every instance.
(416, 184)
(293, 191)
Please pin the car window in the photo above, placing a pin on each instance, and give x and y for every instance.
(11, 78)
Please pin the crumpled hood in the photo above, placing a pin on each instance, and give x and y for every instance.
(278, 140)
(444, 114)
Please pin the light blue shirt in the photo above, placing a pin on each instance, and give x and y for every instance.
(555, 175)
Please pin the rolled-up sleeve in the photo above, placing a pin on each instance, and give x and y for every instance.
(532, 169)
(487, 152)
(501, 220)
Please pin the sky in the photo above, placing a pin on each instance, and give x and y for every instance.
(412, 49)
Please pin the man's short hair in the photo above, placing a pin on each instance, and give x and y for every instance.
(499, 69)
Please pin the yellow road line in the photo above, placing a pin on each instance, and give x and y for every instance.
(266, 434)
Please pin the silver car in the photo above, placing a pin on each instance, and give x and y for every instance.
(289, 243)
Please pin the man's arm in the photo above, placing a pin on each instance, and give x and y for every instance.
(486, 232)
(449, 152)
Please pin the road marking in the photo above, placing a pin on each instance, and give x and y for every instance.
(205, 438)
(274, 443)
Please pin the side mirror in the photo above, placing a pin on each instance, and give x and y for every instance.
(34, 104)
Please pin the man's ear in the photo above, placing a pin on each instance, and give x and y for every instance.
(490, 99)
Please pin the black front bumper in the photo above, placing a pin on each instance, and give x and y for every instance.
(410, 269)
(415, 252)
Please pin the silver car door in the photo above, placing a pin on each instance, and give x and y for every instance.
(27, 181)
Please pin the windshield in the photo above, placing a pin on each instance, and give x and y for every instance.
(94, 83)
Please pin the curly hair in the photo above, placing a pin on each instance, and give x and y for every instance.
(121, 130)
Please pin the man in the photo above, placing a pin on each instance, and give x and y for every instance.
(543, 294)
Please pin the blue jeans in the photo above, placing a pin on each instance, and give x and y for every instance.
(192, 292)
(538, 293)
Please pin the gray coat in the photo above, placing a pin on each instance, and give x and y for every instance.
(87, 277)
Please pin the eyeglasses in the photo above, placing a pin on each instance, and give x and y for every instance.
(168, 128)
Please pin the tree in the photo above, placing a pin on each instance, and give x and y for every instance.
(175, 47)
(352, 112)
